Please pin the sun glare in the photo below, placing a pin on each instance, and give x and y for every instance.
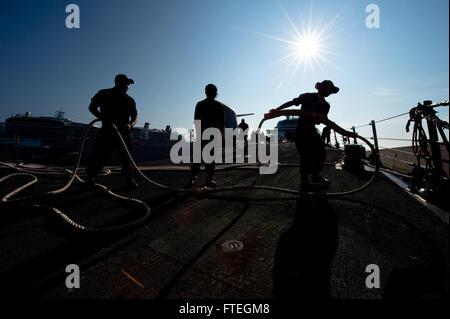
(307, 46)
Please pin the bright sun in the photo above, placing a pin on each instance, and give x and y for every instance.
(307, 46)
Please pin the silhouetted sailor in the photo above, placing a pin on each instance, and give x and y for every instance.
(326, 132)
(244, 126)
(210, 113)
(308, 141)
(116, 107)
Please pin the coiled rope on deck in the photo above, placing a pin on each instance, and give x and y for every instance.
(73, 175)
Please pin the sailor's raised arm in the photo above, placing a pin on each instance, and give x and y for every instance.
(297, 101)
(284, 106)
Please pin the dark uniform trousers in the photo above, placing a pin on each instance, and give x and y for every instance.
(195, 167)
(107, 140)
(311, 149)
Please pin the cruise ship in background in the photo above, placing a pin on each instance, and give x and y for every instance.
(286, 128)
(57, 139)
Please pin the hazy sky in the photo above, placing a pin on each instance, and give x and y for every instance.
(172, 49)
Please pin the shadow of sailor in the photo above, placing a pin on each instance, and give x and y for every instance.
(305, 252)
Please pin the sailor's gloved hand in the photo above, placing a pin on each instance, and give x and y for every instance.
(127, 126)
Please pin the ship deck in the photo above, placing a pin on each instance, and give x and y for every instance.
(291, 247)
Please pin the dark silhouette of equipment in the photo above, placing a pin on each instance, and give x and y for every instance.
(353, 155)
(429, 180)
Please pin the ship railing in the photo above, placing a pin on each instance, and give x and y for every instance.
(401, 151)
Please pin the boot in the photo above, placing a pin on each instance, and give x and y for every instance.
(192, 181)
(209, 182)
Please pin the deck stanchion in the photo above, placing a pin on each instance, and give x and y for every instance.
(354, 139)
(375, 138)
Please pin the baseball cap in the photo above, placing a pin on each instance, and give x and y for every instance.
(329, 84)
(122, 78)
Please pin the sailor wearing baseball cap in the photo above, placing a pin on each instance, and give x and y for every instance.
(118, 108)
(308, 141)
